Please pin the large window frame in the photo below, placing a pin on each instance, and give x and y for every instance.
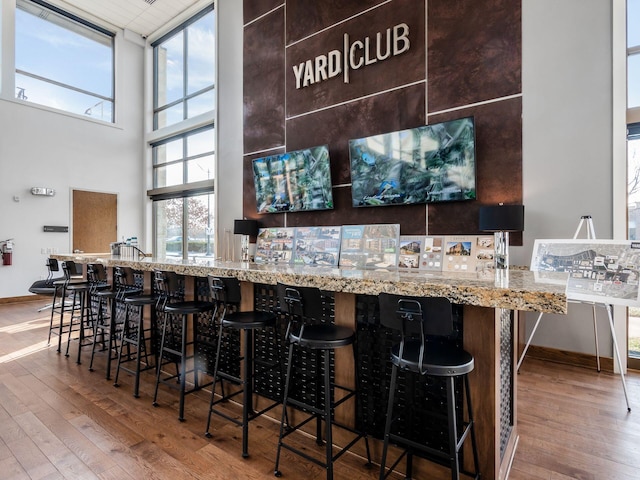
(162, 108)
(633, 137)
(193, 194)
(68, 93)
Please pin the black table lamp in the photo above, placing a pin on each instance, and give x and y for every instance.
(502, 219)
(246, 228)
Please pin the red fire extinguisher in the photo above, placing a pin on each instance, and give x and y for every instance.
(7, 252)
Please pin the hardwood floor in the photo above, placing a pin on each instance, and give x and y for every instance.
(60, 421)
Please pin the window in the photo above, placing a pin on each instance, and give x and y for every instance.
(185, 223)
(633, 161)
(185, 70)
(185, 158)
(633, 53)
(63, 61)
(184, 164)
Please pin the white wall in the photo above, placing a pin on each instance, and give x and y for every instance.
(40, 147)
(229, 125)
(567, 141)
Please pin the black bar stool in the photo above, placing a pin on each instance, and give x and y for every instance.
(226, 294)
(420, 322)
(102, 299)
(135, 333)
(301, 306)
(61, 300)
(176, 341)
(81, 315)
(47, 286)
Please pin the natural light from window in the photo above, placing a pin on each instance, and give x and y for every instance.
(184, 164)
(63, 64)
(633, 49)
(185, 73)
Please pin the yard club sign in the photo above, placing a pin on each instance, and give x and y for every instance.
(354, 55)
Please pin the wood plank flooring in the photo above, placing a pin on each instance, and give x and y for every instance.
(60, 421)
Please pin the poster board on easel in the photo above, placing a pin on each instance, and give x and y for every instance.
(601, 271)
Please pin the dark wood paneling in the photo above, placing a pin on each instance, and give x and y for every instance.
(474, 51)
(474, 54)
(498, 166)
(304, 16)
(252, 9)
(362, 118)
(264, 97)
(382, 75)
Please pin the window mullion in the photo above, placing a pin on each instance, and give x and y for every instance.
(185, 78)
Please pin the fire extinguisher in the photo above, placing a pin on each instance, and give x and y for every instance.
(7, 252)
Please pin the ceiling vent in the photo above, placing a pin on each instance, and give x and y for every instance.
(150, 2)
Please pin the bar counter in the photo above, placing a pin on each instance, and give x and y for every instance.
(522, 291)
(488, 306)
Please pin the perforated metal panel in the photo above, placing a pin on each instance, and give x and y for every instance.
(207, 331)
(506, 375)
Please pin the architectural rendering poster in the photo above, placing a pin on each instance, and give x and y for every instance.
(410, 248)
(369, 246)
(602, 271)
(317, 246)
(274, 245)
(468, 253)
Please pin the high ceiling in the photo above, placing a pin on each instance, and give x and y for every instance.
(141, 16)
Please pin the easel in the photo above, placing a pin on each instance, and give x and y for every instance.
(587, 221)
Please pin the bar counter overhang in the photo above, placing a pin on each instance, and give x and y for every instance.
(489, 309)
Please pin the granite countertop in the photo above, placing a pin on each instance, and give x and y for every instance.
(521, 290)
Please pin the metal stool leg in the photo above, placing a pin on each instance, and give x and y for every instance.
(125, 332)
(453, 429)
(159, 366)
(215, 380)
(328, 437)
(285, 399)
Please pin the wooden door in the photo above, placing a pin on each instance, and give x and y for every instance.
(95, 221)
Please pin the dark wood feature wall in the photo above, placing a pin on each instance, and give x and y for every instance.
(464, 59)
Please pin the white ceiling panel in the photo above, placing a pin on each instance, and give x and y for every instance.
(141, 16)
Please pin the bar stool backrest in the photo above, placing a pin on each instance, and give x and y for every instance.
(300, 305)
(225, 290)
(304, 302)
(52, 266)
(124, 281)
(96, 273)
(168, 287)
(69, 268)
(414, 316)
(124, 277)
(225, 293)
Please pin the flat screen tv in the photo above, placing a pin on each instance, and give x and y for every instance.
(432, 163)
(294, 181)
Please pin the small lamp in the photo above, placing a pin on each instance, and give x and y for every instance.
(501, 219)
(245, 228)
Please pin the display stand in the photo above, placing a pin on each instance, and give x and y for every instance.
(587, 221)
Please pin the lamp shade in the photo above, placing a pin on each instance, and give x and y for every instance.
(502, 218)
(245, 227)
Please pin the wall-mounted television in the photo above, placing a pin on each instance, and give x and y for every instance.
(293, 181)
(432, 163)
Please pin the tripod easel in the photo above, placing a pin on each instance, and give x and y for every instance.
(587, 221)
